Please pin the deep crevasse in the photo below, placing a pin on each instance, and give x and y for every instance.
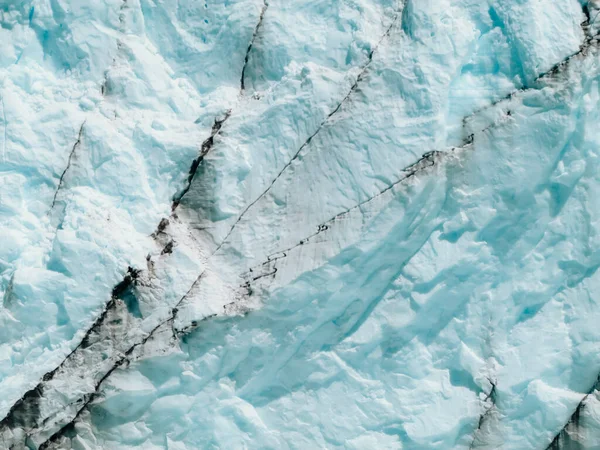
(389, 243)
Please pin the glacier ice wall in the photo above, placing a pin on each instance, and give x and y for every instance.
(290, 224)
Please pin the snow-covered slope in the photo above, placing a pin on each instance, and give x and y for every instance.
(299, 224)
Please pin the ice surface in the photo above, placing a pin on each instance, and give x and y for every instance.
(288, 224)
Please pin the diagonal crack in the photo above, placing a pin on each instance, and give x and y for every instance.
(306, 143)
(207, 145)
(297, 154)
(590, 40)
(559, 67)
(88, 399)
(426, 161)
(409, 171)
(25, 412)
(249, 49)
(489, 404)
(567, 437)
(62, 176)
(26, 408)
(218, 123)
(126, 358)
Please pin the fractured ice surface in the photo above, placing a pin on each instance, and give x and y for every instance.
(291, 224)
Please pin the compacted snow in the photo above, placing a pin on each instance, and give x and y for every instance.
(353, 224)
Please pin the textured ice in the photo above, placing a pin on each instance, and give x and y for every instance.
(299, 224)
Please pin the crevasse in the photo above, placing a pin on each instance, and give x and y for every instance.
(290, 224)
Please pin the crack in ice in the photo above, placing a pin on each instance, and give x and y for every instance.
(22, 413)
(62, 176)
(206, 146)
(564, 435)
(590, 41)
(427, 160)
(249, 49)
(306, 143)
(489, 403)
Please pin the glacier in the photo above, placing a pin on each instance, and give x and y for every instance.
(299, 224)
